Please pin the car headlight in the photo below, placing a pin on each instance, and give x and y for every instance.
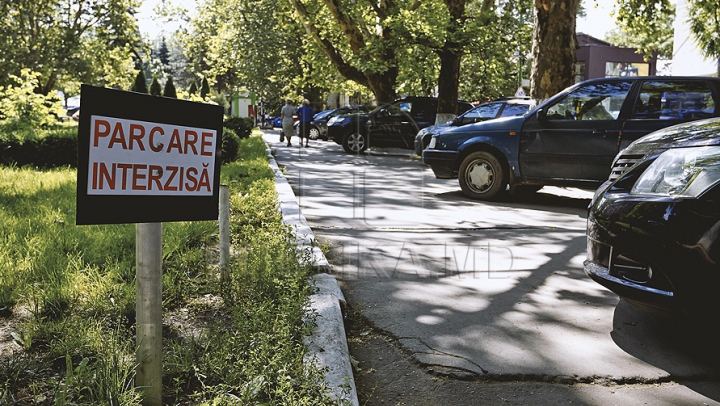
(681, 172)
(433, 141)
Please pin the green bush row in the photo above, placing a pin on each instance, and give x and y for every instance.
(57, 146)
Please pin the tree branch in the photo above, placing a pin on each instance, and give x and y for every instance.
(345, 69)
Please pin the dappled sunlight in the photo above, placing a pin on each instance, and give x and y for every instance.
(482, 287)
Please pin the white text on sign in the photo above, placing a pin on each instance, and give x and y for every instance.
(130, 157)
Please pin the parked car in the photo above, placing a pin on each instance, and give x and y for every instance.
(653, 227)
(505, 107)
(319, 125)
(390, 125)
(571, 139)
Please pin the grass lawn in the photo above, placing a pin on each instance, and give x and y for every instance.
(67, 300)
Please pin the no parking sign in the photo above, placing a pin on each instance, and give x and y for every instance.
(144, 158)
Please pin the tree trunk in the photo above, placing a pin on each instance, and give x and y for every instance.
(554, 47)
(383, 85)
(448, 83)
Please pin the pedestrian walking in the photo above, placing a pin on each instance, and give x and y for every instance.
(286, 118)
(305, 114)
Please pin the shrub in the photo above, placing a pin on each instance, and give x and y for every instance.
(241, 125)
(22, 108)
(230, 145)
(50, 148)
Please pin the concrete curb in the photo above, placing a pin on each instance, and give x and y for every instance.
(327, 345)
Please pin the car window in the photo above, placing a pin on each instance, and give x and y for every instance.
(405, 107)
(666, 100)
(596, 101)
(396, 110)
(515, 110)
(484, 111)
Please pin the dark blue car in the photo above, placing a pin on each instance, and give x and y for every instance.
(571, 139)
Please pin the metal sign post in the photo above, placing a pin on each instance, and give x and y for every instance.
(148, 310)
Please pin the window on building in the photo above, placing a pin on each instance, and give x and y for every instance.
(618, 69)
(579, 71)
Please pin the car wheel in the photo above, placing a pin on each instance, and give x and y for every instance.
(314, 133)
(354, 143)
(482, 176)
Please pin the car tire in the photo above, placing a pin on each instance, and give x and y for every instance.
(482, 176)
(314, 133)
(354, 143)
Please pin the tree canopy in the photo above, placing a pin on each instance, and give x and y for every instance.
(69, 42)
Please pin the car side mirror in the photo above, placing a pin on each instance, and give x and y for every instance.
(541, 115)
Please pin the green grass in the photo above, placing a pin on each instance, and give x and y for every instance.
(69, 293)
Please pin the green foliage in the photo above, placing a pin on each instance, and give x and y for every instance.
(169, 89)
(140, 84)
(205, 88)
(282, 49)
(705, 24)
(241, 125)
(69, 42)
(56, 146)
(155, 88)
(236, 343)
(22, 108)
(230, 145)
(646, 25)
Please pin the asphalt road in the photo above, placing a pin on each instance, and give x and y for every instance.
(488, 291)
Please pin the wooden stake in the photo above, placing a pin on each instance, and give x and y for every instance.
(148, 252)
(224, 220)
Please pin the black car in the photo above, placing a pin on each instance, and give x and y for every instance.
(653, 227)
(390, 125)
(318, 127)
(571, 139)
(504, 107)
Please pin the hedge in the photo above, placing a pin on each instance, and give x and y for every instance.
(58, 147)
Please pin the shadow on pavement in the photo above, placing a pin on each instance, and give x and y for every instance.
(673, 344)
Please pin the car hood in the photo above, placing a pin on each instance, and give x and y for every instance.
(497, 124)
(693, 134)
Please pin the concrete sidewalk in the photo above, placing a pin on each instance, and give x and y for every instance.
(327, 345)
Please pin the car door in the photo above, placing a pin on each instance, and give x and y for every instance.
(421, 115)
(576, 137)
(661, 103)
(388, 124)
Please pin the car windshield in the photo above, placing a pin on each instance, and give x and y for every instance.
(323, 114)
(486, 111)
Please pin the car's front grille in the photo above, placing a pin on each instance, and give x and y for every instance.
(623, 164)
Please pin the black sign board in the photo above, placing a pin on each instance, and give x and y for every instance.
(146, 159)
